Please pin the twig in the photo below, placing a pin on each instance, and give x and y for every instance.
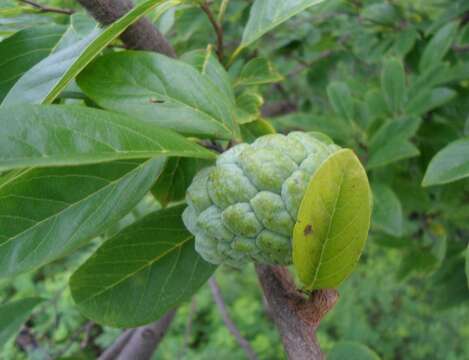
(461, 49)
(251, 355)
(114, 350)
(296, 316)
(141, 36)
(145, 339)
(217, 27)
(45, 8)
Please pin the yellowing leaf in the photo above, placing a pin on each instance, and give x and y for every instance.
(333, 222)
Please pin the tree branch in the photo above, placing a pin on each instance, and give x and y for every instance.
(114, 350)
(145, 339)
(217, 27)
(45, 8)
(216, 292)
(296, 316)
(142, 35)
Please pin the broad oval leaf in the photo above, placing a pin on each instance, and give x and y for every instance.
(23, 50)
(387, 212)
(160, 90)
(44, 82)
(333, 222)
(13, 315)
(60, 135)
(450, 164)
(142, 272)
(47, 213)
(267, 14)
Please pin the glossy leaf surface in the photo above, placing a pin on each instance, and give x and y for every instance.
(47, 213)
(333, 222)
(153, 259)
(23, 50)
(450, 164)
(160, 90)
(44, 82)
(267, 14)
(60, 135)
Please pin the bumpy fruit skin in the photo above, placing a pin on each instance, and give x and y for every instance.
(244, 208)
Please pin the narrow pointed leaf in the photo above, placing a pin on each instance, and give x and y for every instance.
(141, 273)
(392, 142)
(333, 222)
(47, 213)
(387, 211)
(162, 91)
(13, 315)
(44, 82)
(439, 45)
(59, 135)
(450, 164)
(268, 14)
(393, 83)
(341, 100)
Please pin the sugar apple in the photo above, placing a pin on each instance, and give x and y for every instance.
(244, 208)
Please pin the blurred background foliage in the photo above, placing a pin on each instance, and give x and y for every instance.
(389, 79)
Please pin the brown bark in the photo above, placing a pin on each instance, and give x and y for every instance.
(145, 339)
(296, 316)
(142, 35)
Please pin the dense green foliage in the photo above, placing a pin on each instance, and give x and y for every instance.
(98, 145)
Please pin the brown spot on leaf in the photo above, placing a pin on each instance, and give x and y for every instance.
(308, 229)
(155, 101)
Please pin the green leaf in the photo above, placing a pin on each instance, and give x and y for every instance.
(387, 211)
(268, 14)
(13, 315)
(47, 213)
(44, 82)
(448, 165)
(380, 14)
(210, 67)
(249, 104)
(351, 351)
(439, 45)
(258, 71)
(467, 265)
(141, 273)
(260, 127)
(333, 222)
(393, 83)
(429, 99)
(162, 91)
(59, 135)
(175, 179)
(391, 142)
(341, 100)
(23, 50)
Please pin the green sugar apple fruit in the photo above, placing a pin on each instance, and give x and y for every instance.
(244, 208)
